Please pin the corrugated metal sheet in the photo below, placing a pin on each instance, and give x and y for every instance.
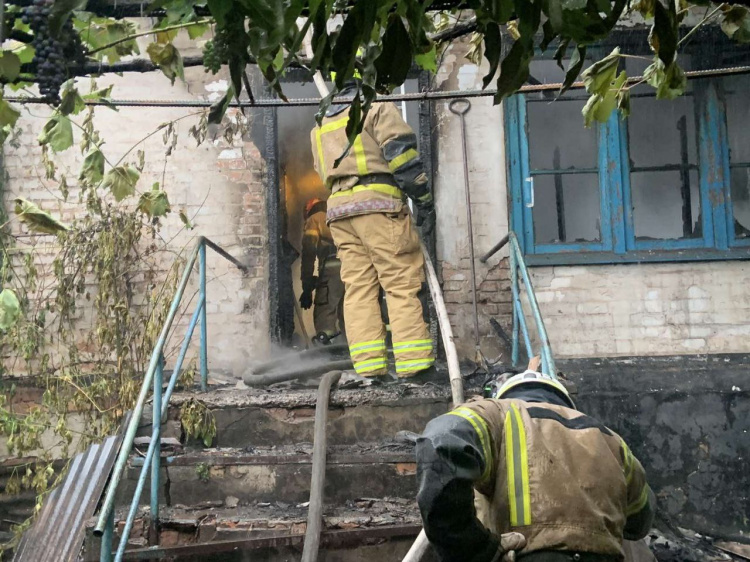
(57, 534)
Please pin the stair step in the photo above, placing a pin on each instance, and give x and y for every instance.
(279, 474)
(257, 417)
(190, 532)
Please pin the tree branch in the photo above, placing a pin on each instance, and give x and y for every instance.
(150, 32)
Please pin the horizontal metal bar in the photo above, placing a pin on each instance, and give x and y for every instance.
(330, 539)
(383, 457)
(563, 171)
(739, 164)
(495, 249)
(664, 168)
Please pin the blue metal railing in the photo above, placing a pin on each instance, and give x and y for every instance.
(154, 378)
(520, 325)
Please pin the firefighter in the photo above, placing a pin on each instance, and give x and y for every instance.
(317, 243)
(568, 484)
(376, 239)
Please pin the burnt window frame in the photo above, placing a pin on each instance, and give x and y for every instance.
(618, 243)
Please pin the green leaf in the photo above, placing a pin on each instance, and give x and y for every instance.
(36, 219)
(598, 77)
(8, 114)
(356, 28)
(24, 53)
(92, 170)
(168, 58)
(577, 59)
(185, 220)
(736, 23)
(219, 109)
(198, 30)
(220, 9)
(600, 106)
(10, 66)
(669, 82)
(665, 32)
(71, 101)
(394, 61)
(493, 46)
(61, 11)
(427, 61)
(10, 309)
(154, 203)
(58, 133)
(514, 70)
(645, 8)
(623, 102)
(121, 181)
(574, 4)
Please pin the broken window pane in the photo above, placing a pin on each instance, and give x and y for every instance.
(664, 183)
(566, 208)
(738, 121)
(575, 145)
(660, 205)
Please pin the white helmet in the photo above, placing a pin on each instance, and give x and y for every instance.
(534, 378)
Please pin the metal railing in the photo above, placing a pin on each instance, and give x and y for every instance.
(154, 380)
(520, 325)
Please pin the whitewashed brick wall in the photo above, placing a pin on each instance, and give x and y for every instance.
(218, 186)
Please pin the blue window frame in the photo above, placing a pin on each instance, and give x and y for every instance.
(670, 183)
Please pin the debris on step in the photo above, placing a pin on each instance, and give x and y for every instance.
(231, 502)
(682, 545)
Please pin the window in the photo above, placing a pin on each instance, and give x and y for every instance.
(671, 182)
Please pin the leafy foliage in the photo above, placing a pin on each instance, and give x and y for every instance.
(198, 421)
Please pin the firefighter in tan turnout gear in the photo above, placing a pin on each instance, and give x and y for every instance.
(552, 483)
(375, 236)
(317, 243)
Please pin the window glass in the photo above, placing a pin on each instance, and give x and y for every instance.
(738, 121)
(566, 208)
(664, 182)
(557, 128)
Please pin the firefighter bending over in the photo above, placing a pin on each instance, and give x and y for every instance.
(317, 243)
(547, 476)
(375, 236)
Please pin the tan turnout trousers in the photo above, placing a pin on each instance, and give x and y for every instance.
(382, 249)
(328, 314)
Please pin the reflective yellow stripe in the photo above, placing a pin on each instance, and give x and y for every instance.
(517, 466)
(369, 365)
(480, 427)
(628, 462)
(367, 349)
(415, 345)
(379, 187)
(402, 159)
(334, 125)
(359, 156)
(358, 346)
(638, 504)
(321, 158)
(413, 364)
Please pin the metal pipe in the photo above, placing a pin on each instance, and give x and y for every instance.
(181, 356)
(304, 372)
(514, 296)
(524, 328)
(542, 331)
(317, 481)
(153, 535)
(105, 550)
(204, 328)
(461, 107)
(451, 356)
(418, 549)
(127, 443)
(495, 249)
(224, 254)
(137, 495)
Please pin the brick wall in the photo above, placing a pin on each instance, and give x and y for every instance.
(217, 185)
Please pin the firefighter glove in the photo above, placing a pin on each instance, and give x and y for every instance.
(426, 216)
(501, 549)
(306, 299)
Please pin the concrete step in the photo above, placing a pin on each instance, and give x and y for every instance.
(371, 529)
(264, 418)
(278, 474)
